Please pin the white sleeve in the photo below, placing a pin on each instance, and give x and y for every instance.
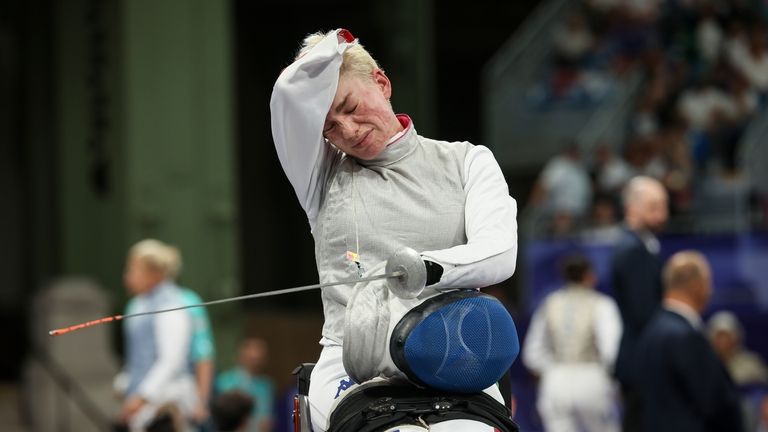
(536, 352)
(173, 332)
(490, 223)
(301, 98)
(608, 330)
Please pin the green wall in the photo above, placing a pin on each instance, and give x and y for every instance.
(158, 96)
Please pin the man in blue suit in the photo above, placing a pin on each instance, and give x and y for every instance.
(636, 280)
(682, 384)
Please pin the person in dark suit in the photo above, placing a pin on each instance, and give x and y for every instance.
(682, 384)
(636, 280)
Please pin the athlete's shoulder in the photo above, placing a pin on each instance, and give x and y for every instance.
(456, 150)
(189, 296)
(463, 145)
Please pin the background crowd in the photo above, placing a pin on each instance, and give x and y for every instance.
(705, 77)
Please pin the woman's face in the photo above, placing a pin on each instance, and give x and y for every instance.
(361, 120)
(140, 278)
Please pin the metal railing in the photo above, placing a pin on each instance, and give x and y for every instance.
(524, 130)
(609, 123)
(526, 41)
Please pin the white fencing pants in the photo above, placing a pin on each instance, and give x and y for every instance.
(578, 397)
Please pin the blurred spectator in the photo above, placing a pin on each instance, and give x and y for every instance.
(644, 159)
(632, 34)
(737, 43)
(231, 411)
(655, 165)
(604, 225)
(167, 419)
(563, 192)
(708, 111)
(644, 121)
(726, 335)
(709, 35)
(248, 377)
(743, 104)
(745, 99)
(663, 76)
(679, 175)
(636, 280)
(572, 344)
(157, 370)
(573, 41)
(704, 106)
(752, 62)
(611, 172)
(641, 11)
(201, 354)
(682, 384)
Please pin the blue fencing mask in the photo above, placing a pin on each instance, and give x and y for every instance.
(461, 341)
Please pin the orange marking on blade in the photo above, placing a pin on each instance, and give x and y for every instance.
(66, 330)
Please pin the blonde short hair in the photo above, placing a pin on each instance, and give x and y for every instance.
(357, 60)
(160, 256)
(637, 186)
(683, 268)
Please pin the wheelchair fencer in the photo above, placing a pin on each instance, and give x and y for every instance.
(447, 349)
(404, 353)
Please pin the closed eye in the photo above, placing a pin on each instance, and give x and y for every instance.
(351, 110)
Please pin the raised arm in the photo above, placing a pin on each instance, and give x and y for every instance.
(490, 254)
(537, 348)
(300, 101)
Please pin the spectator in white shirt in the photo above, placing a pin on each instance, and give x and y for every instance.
(564, 190)
(752, 62)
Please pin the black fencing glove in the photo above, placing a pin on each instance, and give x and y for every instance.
(434, 272)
